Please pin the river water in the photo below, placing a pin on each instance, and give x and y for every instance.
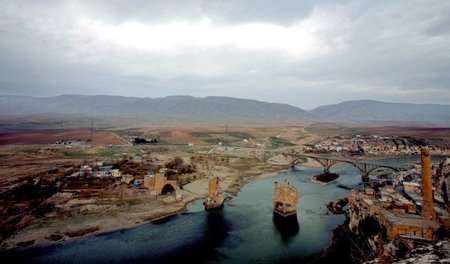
(243, 231)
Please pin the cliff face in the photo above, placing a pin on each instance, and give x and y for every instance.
(355, 218)
(369, 237)
(441, 180)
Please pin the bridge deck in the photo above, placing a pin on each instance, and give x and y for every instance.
(359, 164)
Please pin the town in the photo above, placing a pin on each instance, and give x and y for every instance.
(375, 145)
(408, 210)
(79, 190)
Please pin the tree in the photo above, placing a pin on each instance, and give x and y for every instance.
(175, 163)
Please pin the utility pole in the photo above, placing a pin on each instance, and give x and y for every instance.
(92, 128)
(62, 130)
(226, 136)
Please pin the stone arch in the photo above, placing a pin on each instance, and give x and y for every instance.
(167, 188)
(172, 187)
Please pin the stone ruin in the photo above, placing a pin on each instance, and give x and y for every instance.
(215, 196)
(159, 185)
(285, 198)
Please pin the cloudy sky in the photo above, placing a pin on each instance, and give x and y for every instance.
(304, 53)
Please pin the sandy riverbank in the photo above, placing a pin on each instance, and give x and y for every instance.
(104, 216)
(67, 227)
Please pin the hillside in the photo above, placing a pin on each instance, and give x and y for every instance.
(181, 108)
(369, 110)
(174, 109)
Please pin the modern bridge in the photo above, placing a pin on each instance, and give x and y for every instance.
(328, 161)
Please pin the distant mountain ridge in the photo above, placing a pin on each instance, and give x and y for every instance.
(185, 108)
(219, 109)
(370, 110)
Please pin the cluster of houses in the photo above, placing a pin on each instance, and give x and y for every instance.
(372, 145)
(397, 213)
(409, 207)
(71, 142)
(100, 170)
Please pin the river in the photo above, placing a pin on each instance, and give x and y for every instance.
(243, 231)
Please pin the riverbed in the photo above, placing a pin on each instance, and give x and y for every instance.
(243, 231)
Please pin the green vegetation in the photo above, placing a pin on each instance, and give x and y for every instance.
(280, 142)
(74, 154)
(30, 150)
(239, 135)
(200, 134)
(177, 166)
(211, 140)
(107, 153)
(206, 137)
(215, 137)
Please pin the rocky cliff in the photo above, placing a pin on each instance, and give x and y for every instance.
(441, 180)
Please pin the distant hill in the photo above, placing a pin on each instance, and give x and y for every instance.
(369, 110)
(175, 108)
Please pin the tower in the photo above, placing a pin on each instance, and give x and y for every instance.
(427, 191)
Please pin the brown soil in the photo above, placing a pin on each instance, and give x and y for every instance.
(51, 136)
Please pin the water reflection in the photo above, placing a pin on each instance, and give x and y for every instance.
(287, 227)
(217, 227)
(212, 231)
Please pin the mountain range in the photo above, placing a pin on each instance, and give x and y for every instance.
(219, 109)
(370, 110)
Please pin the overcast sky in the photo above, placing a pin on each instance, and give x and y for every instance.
(304, 53)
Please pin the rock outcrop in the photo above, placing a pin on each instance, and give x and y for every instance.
(438, 252)
(441, 180)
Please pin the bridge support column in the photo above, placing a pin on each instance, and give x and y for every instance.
(365, 178)
(327, 165)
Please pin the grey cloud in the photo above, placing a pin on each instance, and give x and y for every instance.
(230, 12)
(384, 50)
(440, 26)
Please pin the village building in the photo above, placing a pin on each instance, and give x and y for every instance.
(397, 213)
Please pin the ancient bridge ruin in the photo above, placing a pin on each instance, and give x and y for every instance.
(328, 161)
(159, 184)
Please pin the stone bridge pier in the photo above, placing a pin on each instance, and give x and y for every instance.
(159, 185)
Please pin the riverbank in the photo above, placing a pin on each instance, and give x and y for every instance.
(102, 216)
(68, 227)
(95, 217)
